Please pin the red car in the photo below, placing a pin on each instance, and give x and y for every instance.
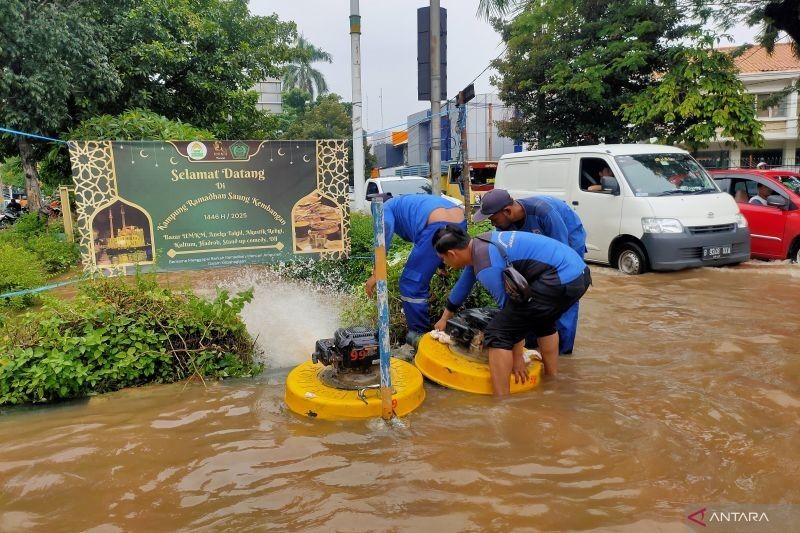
(770, 201)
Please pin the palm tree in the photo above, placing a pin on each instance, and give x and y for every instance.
(301, 75)
(497, 8)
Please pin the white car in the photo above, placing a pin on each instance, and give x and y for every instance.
(401, 185)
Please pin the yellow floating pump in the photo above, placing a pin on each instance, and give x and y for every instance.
(342, 380)
(441, 364)
(307, 394)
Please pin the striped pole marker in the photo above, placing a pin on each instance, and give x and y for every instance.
(383, 308)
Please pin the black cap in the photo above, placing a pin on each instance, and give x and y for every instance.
(492, 202)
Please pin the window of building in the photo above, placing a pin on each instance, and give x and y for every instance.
(751, 158)
(713, 159)
(776, 110)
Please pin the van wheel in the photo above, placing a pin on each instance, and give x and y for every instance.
(631, 259)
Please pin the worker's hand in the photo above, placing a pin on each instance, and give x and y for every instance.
(442, 271)
(519, 369)
(369, 286)
(442, 322)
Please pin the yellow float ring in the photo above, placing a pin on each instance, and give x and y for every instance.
(440, 364)
(307, 395)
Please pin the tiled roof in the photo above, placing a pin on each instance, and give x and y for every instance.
(756, 59)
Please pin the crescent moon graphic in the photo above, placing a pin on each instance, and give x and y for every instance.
(171, 160)
(280, 152)
(306, 160)
(141, 154)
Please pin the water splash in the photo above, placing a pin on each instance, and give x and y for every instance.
(286, 317)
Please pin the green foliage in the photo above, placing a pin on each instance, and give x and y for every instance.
(698, 97)
(296, 101)
(11, 173)
(299, 74)
(19, 269)
(55, 65)
(57, 256)
(573, 66)
(30, 252)
(27, 226)
(119, 334)
(497, 8)
(195, 61)
(773, 16)
(326, 119)
(134, 124)
(361, 235)
(55, 70)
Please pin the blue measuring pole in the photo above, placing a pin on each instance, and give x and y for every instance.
(383, 308)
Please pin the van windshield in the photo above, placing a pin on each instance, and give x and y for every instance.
(665, 174)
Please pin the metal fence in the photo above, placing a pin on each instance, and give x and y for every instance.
(764, 162)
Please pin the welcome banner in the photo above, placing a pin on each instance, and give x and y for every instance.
(182, 205)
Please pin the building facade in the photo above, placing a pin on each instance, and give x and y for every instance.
(411, 147)
(765, 75)
(269, 95)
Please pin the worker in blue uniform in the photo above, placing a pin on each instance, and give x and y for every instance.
(547, 216)
(415, 218)
(556, 275)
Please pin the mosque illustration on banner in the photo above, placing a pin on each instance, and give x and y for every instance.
(122, 235)
(317, 224)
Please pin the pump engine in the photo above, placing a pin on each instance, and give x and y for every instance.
(466, 327)
(351, 350)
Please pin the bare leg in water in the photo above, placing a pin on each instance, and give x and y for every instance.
(503, 363)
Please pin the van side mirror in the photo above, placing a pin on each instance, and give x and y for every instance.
(610, 184)
(776, 200)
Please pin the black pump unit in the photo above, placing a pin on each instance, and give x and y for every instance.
(351, 350)
(466, 324)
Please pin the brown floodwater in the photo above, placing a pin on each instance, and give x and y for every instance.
(684, 391)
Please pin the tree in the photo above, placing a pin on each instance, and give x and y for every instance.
(300, 74)
(195, 60)
(55, 68)
(327, 118)
(11, 173)
(132, 125)
(773, 17)
(498, 8)
(573, 68)
(569, 66)
(697, 99)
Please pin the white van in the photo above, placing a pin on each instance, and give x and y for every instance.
(660, 210)
(401, 185)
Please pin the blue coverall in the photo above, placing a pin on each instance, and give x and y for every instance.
(407, 216)
(553, 218)
(545, 263)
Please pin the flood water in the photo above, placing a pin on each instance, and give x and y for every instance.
(684, 391)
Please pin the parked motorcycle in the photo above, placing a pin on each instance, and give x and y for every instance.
(8, 217)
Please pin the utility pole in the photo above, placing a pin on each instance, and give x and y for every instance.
(466, 180)
(489, 155)
(358, 132)
(436, 124)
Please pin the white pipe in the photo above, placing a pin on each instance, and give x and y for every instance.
(358, 131)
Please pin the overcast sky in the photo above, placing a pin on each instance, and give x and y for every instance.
(389, 49)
